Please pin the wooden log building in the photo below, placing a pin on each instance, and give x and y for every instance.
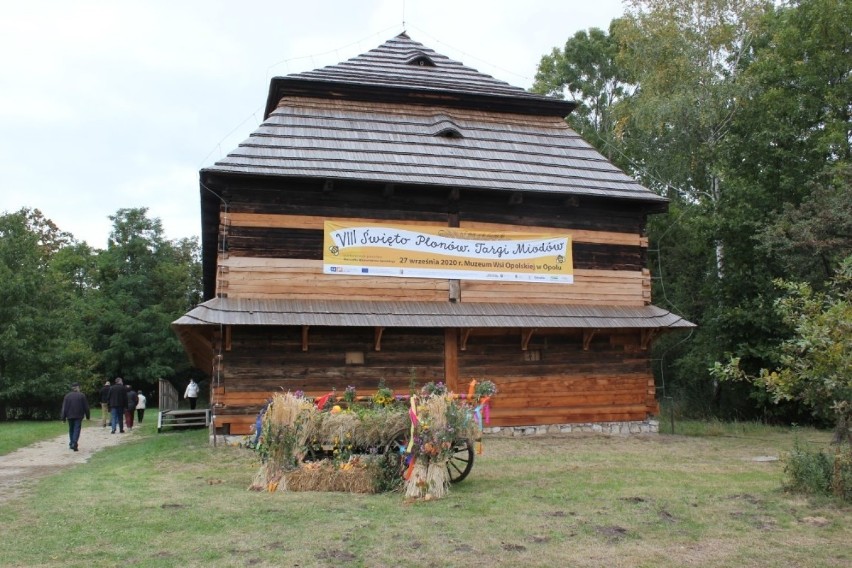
(401, 138)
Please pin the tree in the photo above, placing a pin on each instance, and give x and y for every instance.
(816, 362)
(41, 350)
(738, 111)
(144, 283)
(587, 71)
(811, 240)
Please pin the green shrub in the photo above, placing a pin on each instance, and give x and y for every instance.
(817, 472)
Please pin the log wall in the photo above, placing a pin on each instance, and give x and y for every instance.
(610, 381)
(265, 360)
(270, 246)
(280, 256)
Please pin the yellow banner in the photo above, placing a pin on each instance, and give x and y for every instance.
(407, 251)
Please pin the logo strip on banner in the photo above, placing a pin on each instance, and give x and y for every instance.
(408, 251)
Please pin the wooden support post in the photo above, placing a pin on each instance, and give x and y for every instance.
(227, 338)
(378, 342)
(305, 337)
(465, 333)
(526, 335)
(451, 359)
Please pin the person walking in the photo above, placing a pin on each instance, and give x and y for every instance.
(191, 393)
(117, 404)
(104, 404)
(140, 406)
(132, 401)
(74, 408)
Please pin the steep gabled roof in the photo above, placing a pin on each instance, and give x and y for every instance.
(402, 69)
(404, 114)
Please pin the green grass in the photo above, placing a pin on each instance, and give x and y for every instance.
(172, 500)
(17, 434)
(14, 435)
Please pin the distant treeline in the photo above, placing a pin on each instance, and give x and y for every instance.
(71, 313)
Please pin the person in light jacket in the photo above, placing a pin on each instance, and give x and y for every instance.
(105, 405)
(191, 393)
(140, 406)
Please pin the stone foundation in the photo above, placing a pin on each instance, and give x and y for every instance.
(606, 428)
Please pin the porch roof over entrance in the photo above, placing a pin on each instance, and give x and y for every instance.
(251, 312)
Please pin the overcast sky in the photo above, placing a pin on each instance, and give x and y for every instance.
(108, 104)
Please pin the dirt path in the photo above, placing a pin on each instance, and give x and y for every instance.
(20, 468)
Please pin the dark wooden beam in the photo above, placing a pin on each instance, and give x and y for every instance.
(451, 359)
(305, 337)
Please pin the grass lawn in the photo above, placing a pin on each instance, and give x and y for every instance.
(14, 435)
(656, 501)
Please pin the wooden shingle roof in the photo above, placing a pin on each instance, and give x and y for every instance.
(404, 114)
(404, 69)
(230, 311)
(417, 145)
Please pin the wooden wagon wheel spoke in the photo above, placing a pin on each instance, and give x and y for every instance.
(461, 462)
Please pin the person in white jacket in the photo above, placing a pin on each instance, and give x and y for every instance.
(191, 393)
(140, 406)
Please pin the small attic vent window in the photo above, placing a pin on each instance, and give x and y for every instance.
(446, 128)
(450, 132)
(420, 59)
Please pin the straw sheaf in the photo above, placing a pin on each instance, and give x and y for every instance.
(369, 430)
(285, 410)
(327, 477)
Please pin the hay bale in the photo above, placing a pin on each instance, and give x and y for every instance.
(326, 476)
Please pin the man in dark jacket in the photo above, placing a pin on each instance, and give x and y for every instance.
(117, 404)
(132, 401)
(74, 408)
(104, 404)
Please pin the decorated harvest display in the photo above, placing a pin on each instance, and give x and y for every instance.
(417, 443)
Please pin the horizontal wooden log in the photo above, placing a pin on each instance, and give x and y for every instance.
(537, 413)
(260, 220)
(303, 279)
(568, 418)
(309, 221)
(573, 400)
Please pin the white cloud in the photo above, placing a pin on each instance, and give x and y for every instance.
(110, 104)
